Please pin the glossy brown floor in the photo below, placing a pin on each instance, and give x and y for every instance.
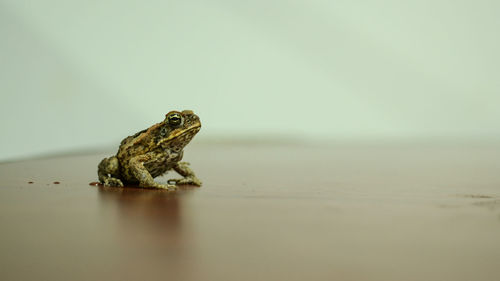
(265, 212)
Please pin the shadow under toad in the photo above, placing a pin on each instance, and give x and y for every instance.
(150, 226)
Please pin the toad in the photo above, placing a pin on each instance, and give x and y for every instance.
(152, 152)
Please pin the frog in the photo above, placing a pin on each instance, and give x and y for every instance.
(153, 152)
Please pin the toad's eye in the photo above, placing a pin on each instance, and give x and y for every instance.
(174, 119)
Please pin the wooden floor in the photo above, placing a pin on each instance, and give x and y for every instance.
(265, 212)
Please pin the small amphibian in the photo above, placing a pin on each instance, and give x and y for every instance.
(152, 152)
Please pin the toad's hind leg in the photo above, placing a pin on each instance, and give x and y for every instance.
(109, 171)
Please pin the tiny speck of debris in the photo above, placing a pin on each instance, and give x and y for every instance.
(56, 182)
(94, 183)
(30, 182)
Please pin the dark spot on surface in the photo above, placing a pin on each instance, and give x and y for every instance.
(56, 182)
(30, 182)
(95, 183)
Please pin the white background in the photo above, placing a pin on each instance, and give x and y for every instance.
(84, 74)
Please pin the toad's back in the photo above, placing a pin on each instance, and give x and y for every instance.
(138, 144)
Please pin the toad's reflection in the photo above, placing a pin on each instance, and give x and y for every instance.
(149, 225)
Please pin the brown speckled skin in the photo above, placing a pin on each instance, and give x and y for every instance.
(152, 152)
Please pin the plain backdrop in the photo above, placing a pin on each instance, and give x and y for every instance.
(85, 74)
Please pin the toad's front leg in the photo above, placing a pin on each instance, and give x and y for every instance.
(189, 177)
(145, 179)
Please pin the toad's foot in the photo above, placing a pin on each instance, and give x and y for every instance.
(113, 182)
(169, 187)
(188, 180)
(189, 177)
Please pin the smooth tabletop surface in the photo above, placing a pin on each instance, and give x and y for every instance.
(264, 212)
